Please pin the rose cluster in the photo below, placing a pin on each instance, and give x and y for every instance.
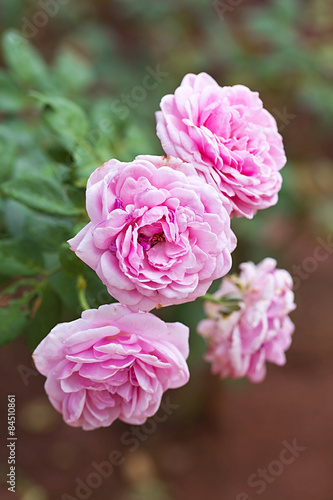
(239, 343)
(159, 233)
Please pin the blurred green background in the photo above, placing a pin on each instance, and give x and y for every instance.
(75, 92)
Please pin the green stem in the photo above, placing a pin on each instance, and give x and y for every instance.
(53, 271)
(229, 302)
(34, 284)
(211, 298)
(227, 299)
(81, 293)
(17, 284)
(83, 300)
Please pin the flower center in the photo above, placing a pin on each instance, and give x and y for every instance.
(147, 242)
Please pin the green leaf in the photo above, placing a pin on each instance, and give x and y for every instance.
(12, 321)
(45, 318)
(138, 141)
(9, 11)
(17, 132)
(19, 258)
(77, 196)
(15, 218)
(65, 118)
(96, 292)
(7, 155)
(71, 71)
(13, 287)
(24, 61)
(47, 231)
(86, 162)
(69, 261)
(11, 100)
(287, 10)
(65, 286)
(43, 195)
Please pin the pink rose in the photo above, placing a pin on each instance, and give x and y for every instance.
(158, 233)
(112, 363)
(239, 344)
(229, 137)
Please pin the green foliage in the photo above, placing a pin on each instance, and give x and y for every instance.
(19, 257)
(48, 232)
(42, 187)
(12, 321)
(69, 261)
(65, 286)
(11, 100)
(45, 317)
(43, 195)
(7, 154)
(65, 119)
(72, 72)
(24, 62)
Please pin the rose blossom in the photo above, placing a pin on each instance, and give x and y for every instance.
(240, 343)
(159, 235)
(112, 363)
(229, 137)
